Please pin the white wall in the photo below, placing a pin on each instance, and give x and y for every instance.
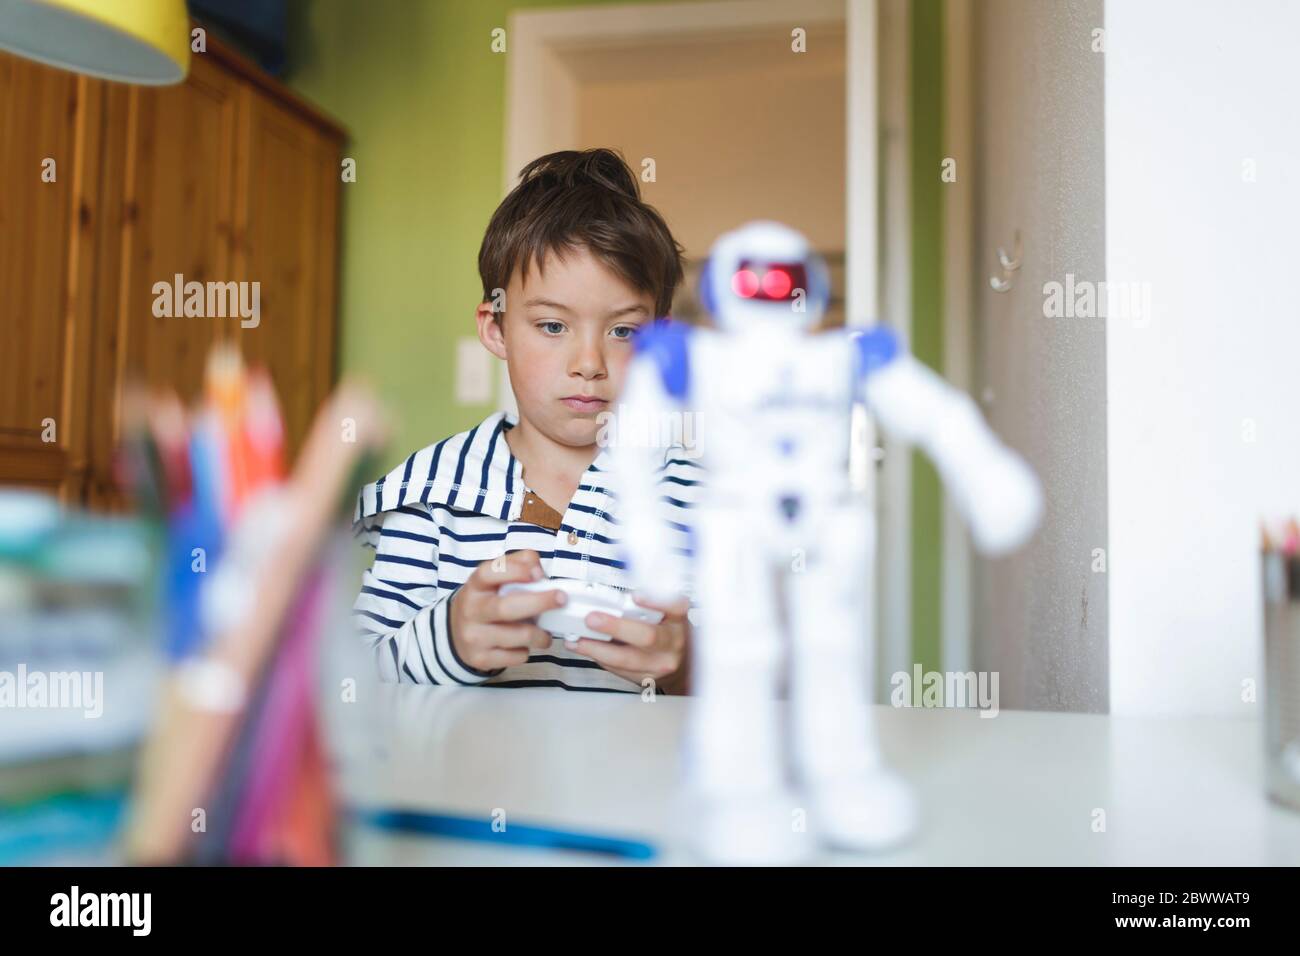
(1195, 89)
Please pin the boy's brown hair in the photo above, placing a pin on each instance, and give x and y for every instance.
(573, 199)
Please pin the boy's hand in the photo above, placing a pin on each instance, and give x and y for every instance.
(490, 630)
(639, 649)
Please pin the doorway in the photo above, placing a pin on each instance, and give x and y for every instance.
(734, 110)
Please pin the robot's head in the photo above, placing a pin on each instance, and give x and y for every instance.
(764, 273)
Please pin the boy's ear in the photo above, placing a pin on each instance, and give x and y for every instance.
(489, 329)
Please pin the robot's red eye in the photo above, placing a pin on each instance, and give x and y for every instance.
(745, 284)
(776, 283)
(769, 281)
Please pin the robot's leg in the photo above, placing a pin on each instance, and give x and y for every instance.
(744, 808)
(856, 801)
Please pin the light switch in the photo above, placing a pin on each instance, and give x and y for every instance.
(473, 372)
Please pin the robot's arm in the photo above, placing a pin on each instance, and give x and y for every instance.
(992, 487)
(653, 392)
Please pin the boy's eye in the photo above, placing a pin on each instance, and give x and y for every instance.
(552, 327)
(623, 331)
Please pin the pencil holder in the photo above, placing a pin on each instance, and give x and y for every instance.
(1281, 575)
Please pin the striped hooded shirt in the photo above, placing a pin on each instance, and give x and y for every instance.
(452, 505)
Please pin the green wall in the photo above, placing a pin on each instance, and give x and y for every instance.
(926, 152)
(423, 96)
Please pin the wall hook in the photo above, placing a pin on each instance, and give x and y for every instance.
(1010, 265)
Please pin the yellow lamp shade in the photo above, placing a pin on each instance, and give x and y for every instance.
(132, 41)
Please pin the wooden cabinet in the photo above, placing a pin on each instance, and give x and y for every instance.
(48, 149)
(167, 209)
(226, 178)
(288, 178)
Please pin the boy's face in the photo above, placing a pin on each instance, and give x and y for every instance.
(566, 338)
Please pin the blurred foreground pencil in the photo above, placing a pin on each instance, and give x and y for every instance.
(204, 700)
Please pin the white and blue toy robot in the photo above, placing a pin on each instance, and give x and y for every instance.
(784, 547)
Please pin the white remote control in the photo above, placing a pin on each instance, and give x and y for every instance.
(570, 621)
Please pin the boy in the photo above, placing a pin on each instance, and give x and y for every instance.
(582, 262)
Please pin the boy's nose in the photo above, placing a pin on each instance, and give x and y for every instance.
(588, 363)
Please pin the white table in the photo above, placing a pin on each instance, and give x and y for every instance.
(1018, 788)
